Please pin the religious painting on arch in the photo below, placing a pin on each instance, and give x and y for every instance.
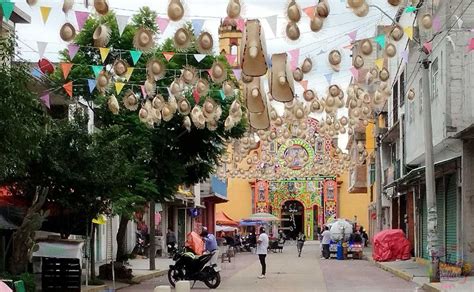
(261, 197)
(330, 200)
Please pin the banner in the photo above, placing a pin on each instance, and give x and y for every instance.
(45, 10)
(46, 101)
(72, 50)
(162, 23)
(81, 17)
(66, 68)
(135, 56)
(122, 21)
(104, 52)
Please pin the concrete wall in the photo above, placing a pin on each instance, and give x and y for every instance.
(352, 204)
(467, 202)
(239, 194)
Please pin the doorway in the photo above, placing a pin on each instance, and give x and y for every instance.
(292, 217)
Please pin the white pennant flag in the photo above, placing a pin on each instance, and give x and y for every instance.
(41, 48)
(459, 21)
(199, 57)
(122, 21)
(272, 22)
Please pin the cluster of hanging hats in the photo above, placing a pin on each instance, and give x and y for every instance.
(253, 54)
(359, 7)
(281, 82)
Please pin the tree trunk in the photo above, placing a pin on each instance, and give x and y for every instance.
(92, 253)
(121, 242)
(152, 236)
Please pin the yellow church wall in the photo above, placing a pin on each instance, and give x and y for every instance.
(352, 204)
(239, 205)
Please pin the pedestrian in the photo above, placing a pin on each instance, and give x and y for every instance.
(262, 250)
(325, 241)
(171, 242)
(210, 245)
(300, 242)
(365, 237)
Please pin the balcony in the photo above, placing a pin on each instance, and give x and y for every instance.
(358, 179)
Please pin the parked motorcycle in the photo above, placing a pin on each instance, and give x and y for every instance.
(141, 244)
(190, 267)
(172, 250)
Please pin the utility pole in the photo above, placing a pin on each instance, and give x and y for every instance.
(378, 173)
(433, 243)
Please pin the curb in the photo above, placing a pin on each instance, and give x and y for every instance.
(141, 278)
(99, 288)
(430, 288)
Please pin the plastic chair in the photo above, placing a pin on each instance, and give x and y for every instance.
(20, 286)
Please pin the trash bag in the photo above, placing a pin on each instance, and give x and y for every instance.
(390, 245)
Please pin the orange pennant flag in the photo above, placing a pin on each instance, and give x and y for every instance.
(68, 88)
(45, 10)
(309, 11)
(66, 68)
(168, 55)
(304, 83)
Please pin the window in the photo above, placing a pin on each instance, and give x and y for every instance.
(402, 88)
(372, 173)
(420, 97)
(395, 103)
(435, 79)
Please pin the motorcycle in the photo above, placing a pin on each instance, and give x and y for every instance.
(171, 250)
(190, 267)
(141, 244)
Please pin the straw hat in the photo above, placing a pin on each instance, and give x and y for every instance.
(67, 5)
(260, 121)
(209, 108)
(293, 11)
(316, 23)
(175, 10)
(309, 95)
(366, 47)
(245, 78)
(384, 75)
(211, 125)
(156, 69)
(254, 96)
(427, 21)
(281, 83)
(298, 74)
(101, 36)
(391, 50)
(166, 112)
(130, 101)
(202, 87)
(335, 59)
(31, 2)
(205, 43)
(323, 8)
(228, 88)
(411, 94)
(197, 117)
(158, 102)
(307, 65)
(182, 39)
(316, 106)
(189, 74)
(363, 10)
(150, 87)
(292, 31)
(101, 6)
(143, 39)
(177, 86)
(358, 62)
(253, 54)
(187, 123)
(394, 2)
(67, 32)
(184, 107)
(396, 33)
(218, 72)
(334, 90)
(113, 104)
(102, 81)
(120, 67)
(233, 9)
(355, 3)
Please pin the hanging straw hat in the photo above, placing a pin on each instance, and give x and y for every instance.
(355, 3)
(209, 108)
(184, 107)
(394, 2)
(143, 40)
(293, 11)
(67, 5)
(254, 95)
(334, 90)
(246, 78)
(335, 59)
(228, 88)
(384, 75)
(189, 75)
(158, 102)
(323, 8)
(101, 36)
(362, 11)
(366, 47)
(182, 39)
(101, 6)
(120, 67)
(298, 74)
(233, 9)
(391, 50)
(102, 81)
(396, 33)
(31, 2)
(175, 10)
(316, 23)
(316, 106)
(202, 87)
(358, 62)
(187, 123)
(130, 101)
(156, 69)
(150, 87)
(281, 81)
(166, 112)
(427, 21)
(309, 95)
(211, 125)
(307, 65)
(218, 72)
(113, 104)
(197, 117)
(67, 32)
(260, 121)
(292, 31)
(204, 43)
(253, 54)
(177, 86)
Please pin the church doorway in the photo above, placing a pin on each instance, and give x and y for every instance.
(292, 218)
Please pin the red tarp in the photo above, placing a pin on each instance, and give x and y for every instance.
(195, 242)
(223, 219)
(391, 245)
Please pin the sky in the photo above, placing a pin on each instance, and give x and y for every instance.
(340, 22)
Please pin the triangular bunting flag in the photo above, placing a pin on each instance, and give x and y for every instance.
(168, 55)
(104, 52)
(66, 68)
(272, 22)
(119, 86)
(221, 92)
(380, 39)
(355, 73)
(231, 59)
(328, 77)
(404, 56)
(321, 52)
(309, 11)
(92, 83)
(410, 8)
(459, 21)
(68, 88)
(45, 10)
(428, 46)
(304, 84)
(348, 47)
(436, 24)
(41, 48)
(129, 72)
(162, 23)
(196, 96)
(470, 47)
(199, 57)
(142, 87)
(97, 69)
(46, 101)
(352, 35)
(295, 55)
(81, 17)
(237, 73)
(379, 63)
(409, 31)
(240, 24)
(35, 72)
(122, 21)
(135, 56)
(72, 50)
(197, 25)
(7, 8)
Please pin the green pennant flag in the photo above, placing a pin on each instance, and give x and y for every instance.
(97, 69)
(380, 39)
(7, 8)
(410, 8)
(222, 94)
(135, 56)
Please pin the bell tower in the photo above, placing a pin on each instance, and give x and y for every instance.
(230, 40)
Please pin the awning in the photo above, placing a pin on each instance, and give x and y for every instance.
(261, 217)
(223, 219)
(70, 250)
(225, 228)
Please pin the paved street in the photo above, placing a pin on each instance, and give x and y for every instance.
(287, 272)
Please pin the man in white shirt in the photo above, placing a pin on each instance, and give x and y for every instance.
(262, 249)
(325, 241)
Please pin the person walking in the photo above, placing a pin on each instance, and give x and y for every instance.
(325, 241)
(262, 250)
(171, 242)
(300, 242)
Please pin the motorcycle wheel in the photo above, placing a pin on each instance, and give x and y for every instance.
(213, 281)
(174, 276)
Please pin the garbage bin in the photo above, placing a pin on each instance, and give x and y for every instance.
(340, 251)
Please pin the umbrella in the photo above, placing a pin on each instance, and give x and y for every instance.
(261, 217)
(224, 228)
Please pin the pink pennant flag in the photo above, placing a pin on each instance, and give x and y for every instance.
(470, 47)
(142, 87)
(352, 35)
(428, 46)
(304, 84)
(81, 17)
(436, 24)
(355, 73)
(237, 73)
(72, 50)
(168, 55)
(295, 55)
(309, 11)
(45, 100)
(162, 23)
(240, 24)
(231, 59)
(196, 96)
